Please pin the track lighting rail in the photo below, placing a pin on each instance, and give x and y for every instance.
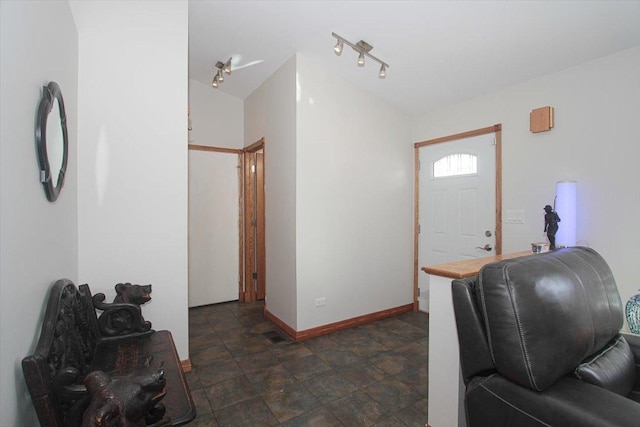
(363, 48)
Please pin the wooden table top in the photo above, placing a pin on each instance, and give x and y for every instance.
(467, 268)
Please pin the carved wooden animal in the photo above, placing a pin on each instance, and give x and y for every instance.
(130, 401)
(135, 294)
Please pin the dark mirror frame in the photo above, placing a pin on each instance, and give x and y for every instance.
(49, 93)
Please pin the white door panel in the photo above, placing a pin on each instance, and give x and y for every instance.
(456, 212)
(213, 227)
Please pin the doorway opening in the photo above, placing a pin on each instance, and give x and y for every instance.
(214, 190)
(252, 241)
(430, 215)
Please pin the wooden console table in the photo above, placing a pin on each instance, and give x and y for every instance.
(446, 388)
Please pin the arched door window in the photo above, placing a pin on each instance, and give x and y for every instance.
(455, 165)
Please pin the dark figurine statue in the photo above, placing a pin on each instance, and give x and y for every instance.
(136, 294)
(130, 401)
(124, 315)
(551, 220)
(133, 294)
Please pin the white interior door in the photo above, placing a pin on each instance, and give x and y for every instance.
(457, 203)
(213, 227)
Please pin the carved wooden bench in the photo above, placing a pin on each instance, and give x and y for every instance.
(74, 342)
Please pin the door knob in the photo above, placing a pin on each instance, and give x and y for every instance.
(486, 247)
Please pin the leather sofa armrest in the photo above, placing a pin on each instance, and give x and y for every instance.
(475, 358)
(634, 343)
(495, 401)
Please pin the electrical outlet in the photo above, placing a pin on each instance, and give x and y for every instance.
(320, 302)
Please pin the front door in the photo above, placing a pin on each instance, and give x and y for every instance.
(457, 209)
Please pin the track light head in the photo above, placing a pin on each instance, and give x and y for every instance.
(227, 67)
(361, 59)
(214, 83)
(338, 48)
(383, 72)
(220, 76)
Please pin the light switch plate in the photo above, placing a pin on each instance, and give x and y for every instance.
(514, 217)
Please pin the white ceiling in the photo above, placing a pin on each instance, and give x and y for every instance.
(440, 52)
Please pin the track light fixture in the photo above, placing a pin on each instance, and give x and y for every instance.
(363, 48)
(221, 68)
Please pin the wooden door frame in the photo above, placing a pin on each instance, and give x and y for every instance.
(248, 293)
(260, 241)
(497, 129)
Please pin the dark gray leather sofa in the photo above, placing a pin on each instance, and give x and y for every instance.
(540, 344)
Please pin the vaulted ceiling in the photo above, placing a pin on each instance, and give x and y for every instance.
(440, 52)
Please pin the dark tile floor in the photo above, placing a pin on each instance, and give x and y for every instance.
(370, 375)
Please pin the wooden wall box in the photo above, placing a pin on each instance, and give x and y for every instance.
(541, 119)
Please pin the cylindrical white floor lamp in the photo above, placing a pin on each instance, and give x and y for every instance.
(565, 206)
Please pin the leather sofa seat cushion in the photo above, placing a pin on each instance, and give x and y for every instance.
(546, 313)
(612, 368)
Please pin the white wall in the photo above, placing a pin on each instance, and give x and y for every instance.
(38, 239)
(132, 176)
(595, 141)
(270, 112)
(354, 198)
(217, 119)
(338, 199)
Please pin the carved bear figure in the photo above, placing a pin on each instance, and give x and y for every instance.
(135, 294)
(123, 318)
(130, 401)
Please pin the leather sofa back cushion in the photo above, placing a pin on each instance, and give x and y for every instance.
(612, 368)
(545, 313)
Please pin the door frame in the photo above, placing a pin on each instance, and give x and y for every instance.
(497, 129)
(248, 242)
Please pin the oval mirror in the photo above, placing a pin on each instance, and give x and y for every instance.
(52, 143)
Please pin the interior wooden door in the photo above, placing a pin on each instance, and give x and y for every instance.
(254, 224)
